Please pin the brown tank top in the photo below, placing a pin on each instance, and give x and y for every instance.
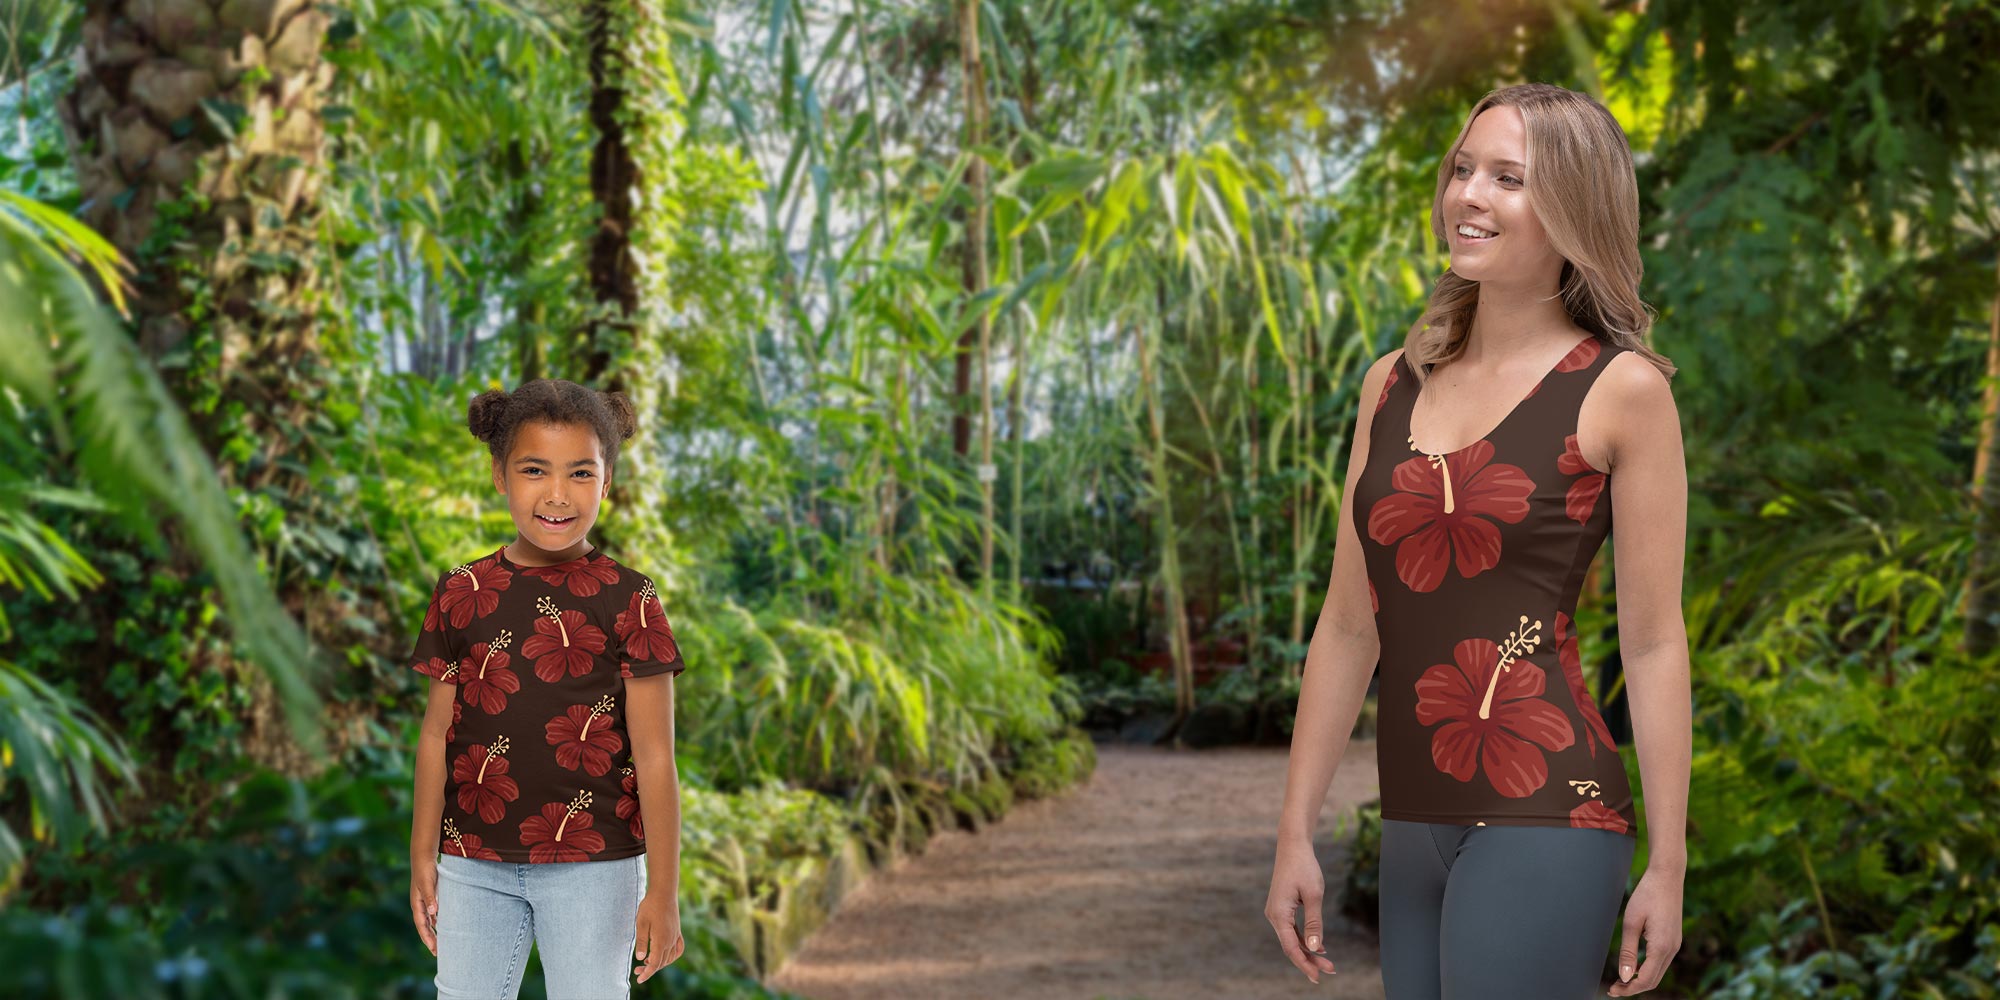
(1475, 558)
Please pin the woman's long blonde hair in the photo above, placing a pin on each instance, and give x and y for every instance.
(1583, 189)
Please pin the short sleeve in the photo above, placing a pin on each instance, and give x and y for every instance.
(433, 655)
(646, 640)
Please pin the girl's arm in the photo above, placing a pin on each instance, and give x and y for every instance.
(649, 720)
(427, 814)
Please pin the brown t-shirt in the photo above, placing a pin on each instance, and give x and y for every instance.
(537, 760)
(1475, 561)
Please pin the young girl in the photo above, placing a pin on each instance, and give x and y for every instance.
(551, 718)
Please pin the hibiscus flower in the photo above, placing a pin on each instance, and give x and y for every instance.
(466, 845)
(561, 832)
(564, 642)
(1386, 383)
(628, 803)
(1496, 724)
(486, 678)
(483, 785)
(1596, 815)
(1594, 729)
(457, 716)
(1431, 538)
(643, 627)
(1584, 491)
(473, 590)
(583, 576)
(580, 741)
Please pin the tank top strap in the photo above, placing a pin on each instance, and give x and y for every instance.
(1558, 397)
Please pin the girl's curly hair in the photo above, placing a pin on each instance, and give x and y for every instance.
(495, 416)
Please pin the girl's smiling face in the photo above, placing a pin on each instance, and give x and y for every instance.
(554, 478)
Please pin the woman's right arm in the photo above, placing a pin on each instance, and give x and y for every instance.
(1340, 660)
(428, 812)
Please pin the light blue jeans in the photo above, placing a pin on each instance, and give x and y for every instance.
(581, 915)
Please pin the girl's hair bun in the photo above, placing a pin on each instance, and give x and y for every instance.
(494, 416)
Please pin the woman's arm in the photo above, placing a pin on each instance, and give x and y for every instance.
(1649, 536)
(649, 720)
(1649, 533)
(1340, 659)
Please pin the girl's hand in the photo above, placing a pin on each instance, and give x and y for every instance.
(1296, 879)
(659, 933)
(1655, 910)
(424, 900)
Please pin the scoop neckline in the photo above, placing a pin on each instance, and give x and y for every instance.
(1504, 419)
(501, 554)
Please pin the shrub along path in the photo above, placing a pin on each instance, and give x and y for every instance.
(1148, 881)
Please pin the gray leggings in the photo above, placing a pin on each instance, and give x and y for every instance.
(1499, 912)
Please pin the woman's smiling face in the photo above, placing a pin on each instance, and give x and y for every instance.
(1488, 191)
(554, 478)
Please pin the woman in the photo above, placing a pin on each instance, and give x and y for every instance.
(1490, 455)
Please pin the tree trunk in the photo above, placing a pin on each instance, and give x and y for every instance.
(1981, 601)
(973, 78)
(196, 130)
(179, 96)
(614, 272)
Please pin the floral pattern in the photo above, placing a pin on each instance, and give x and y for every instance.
(1595, 732)
(1431, 540)
(1581, 500)
(1492, 717)
(473, 591)
(561, 832)
(538, 661)
(564, 641)
(1479, 712)
(582, 577)
(484, 788)
(1598, 816)
(577, 745)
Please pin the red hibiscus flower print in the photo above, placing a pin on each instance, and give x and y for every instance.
(564, 642)
(437, 669)
(483, 785)
(474, 590)
(1596, 815)
(457, 716)
(581, 742)
(1386, 383)
(1495, 720)
(628, 803)
(487, 679)
(561, 832)
(1581, 500)
(1580, 356)
(466, 845)
(1594, 729)
(643, 627)
(1432, 538)
(583, 576)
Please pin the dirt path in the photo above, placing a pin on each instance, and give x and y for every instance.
(1146, 882)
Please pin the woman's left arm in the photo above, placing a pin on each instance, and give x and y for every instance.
(649, 720)
(1649, 536)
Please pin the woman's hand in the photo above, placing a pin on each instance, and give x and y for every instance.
(1655, 911)
(424, 900)
(659, 933)
(1296, 880)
